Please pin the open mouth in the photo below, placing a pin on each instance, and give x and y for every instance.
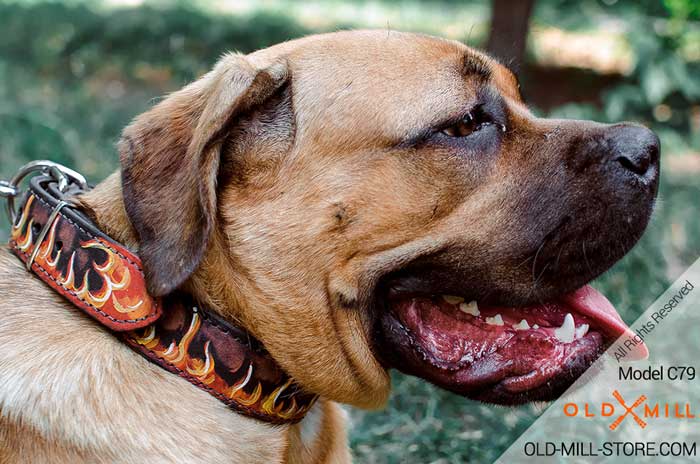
(498, 354)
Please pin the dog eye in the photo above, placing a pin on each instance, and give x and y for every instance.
(474, 121)
(462, 128)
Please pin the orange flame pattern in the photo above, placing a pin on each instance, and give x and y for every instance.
(120, 300)
(280, 402)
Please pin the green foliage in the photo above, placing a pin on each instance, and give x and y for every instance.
(683, 9)
(662, 75)
(663, 88)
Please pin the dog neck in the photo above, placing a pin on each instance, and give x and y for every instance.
(105, 206)
(162, 329)
(230, 298)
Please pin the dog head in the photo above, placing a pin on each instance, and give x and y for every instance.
(372, 199)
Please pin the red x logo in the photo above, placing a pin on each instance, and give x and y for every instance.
(628, 410)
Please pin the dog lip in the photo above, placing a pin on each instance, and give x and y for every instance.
(504, 393)
(477, 380)
(490, 375)
(396, 292)
(397, 289)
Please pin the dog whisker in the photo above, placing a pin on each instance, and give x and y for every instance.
(534, 261)
(556, 262)
(585, 257)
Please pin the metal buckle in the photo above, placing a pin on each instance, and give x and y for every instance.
(62, 175)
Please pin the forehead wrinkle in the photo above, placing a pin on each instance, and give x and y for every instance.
(475, 66)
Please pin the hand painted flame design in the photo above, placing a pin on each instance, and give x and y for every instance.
(113, 273)
(269, 407)
(177, 354)
(24, 242)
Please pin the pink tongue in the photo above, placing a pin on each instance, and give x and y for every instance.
(589, 302)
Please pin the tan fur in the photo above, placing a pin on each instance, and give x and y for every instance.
(314, 198)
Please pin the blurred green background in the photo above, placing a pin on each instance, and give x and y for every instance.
(73, 73)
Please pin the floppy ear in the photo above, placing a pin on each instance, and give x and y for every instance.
(170, 163)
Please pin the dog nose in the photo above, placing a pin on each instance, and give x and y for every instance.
(634, 149)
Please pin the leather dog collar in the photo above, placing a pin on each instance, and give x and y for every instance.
(105, 280)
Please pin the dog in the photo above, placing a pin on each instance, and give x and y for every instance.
(357, 201)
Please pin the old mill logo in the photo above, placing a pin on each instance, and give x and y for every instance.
(639, 411)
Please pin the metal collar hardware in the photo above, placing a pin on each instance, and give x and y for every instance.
(64, 177)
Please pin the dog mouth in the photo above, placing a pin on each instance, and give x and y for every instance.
(497, 354)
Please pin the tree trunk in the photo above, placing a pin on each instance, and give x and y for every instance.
(510, 20)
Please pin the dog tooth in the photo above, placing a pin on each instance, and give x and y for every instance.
(453, 300)
(522, 325)
(566, 332)
(581, 330)
(469, 308)
(535, 326)
(495, 320)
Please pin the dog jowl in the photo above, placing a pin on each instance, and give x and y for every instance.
(362, 201)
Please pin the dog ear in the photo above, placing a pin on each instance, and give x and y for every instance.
(170, 159)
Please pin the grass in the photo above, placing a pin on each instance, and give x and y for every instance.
(72, 77)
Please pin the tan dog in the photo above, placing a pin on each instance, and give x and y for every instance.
(321, 193)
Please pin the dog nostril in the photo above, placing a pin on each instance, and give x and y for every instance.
(633, 148)
(638, 165)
